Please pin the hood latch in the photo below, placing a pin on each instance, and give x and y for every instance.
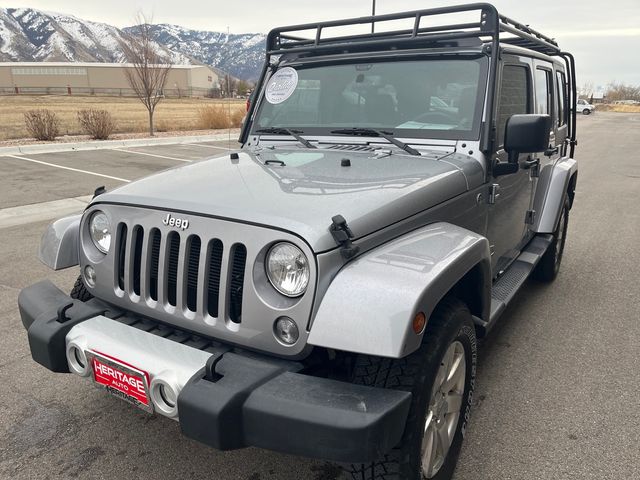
(342, 234)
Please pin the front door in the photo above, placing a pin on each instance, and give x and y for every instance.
(512, 194)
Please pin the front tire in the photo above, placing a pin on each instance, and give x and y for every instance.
(79, 291)
(441, 377)
(586, 111)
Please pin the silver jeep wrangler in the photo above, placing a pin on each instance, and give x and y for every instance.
(320, 290)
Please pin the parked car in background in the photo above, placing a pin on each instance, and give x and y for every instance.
(585, 107)
(626, 102)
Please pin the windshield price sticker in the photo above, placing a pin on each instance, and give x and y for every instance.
(281, 85)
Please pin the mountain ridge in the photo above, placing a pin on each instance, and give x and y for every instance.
(28, 34)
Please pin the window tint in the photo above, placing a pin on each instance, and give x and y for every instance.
(543, 92)
(514, 95)
(562, 99)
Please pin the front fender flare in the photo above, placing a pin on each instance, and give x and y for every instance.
(370, 305)
(60, 242)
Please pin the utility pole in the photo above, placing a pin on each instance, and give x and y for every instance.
(373, 14)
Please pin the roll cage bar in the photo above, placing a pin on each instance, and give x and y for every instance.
(488, 28)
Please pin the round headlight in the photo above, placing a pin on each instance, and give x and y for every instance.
(288, 269)
(100, 231)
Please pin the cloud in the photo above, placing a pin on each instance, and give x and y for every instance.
(619, 32)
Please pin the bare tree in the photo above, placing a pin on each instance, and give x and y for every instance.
(620, 92)
(149, 67)
(586, 90)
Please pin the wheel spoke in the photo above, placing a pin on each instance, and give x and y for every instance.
(456, 372)
(445, 368)
(454, 402)
(443, 439)
(430, 450)
(441, 376)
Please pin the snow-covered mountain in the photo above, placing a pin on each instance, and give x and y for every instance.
(27, 34)
(242, 55)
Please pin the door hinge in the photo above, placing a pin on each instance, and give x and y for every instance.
(535, 171)
(493, 193)
(530, 217)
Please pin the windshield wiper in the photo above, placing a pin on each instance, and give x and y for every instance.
(287, 131)
(372, 132)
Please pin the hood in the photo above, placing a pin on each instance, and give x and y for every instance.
(300, 190)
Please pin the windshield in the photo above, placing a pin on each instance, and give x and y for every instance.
(431, 98)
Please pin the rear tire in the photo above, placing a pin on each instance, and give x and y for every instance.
(79, 291)
(449, 345)
(549, 265)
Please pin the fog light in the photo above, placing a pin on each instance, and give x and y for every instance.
(286, 330)
(90, 275)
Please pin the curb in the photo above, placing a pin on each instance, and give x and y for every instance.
(111, 144)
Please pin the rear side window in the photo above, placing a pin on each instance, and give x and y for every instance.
(514, 95)
(543, 92)
(562, 99)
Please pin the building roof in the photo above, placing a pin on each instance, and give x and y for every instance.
(87, 64)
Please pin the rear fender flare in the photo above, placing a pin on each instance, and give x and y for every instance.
(549, 201)
(370, 305)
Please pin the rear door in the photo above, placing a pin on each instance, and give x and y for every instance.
(550, 99)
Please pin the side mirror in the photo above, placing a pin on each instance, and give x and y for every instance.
(526, 133)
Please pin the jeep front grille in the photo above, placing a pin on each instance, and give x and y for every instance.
(207, 278)
(170, 272)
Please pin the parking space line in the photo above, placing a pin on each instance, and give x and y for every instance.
(68, 168)
(36, 212)
(208, 146)
(152, 155)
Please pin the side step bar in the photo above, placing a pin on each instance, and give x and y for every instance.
(506, 287)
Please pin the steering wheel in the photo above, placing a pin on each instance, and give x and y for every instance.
(436, 117)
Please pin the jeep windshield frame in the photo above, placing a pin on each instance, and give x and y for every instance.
(402, 96)
(447, 27)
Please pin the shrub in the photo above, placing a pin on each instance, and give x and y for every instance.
(42, 124)
(237, 117)
(96, 123)
(217, 116)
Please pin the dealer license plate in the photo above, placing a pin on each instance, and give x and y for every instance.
(122, 380)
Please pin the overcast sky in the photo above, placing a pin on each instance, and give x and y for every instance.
(604, 35)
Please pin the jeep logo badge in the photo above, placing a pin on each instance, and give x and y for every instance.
(181, 223)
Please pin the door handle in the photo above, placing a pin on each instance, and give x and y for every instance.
(527, 164)
(551, 151)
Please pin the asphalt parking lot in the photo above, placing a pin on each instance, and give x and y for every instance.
(558, 379)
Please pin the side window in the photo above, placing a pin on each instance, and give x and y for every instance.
(515, 92)
(562, 99)
(544, 90)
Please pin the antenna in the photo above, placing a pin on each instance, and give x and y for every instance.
(228, 96)
(373, 14)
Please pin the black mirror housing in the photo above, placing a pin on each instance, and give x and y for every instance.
(526, 133)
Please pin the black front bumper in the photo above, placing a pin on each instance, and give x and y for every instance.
(241, 399)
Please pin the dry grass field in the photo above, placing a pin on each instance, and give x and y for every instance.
(128, 113)
(618, 108)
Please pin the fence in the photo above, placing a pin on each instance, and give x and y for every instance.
(111, 92)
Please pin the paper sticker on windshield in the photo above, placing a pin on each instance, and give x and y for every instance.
(281, 85)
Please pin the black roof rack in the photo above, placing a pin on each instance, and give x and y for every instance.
(488, 26)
